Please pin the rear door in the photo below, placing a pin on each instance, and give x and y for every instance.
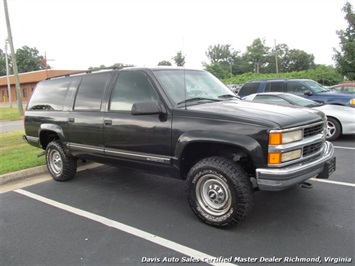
(86, 118)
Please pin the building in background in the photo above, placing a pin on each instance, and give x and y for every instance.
(28, 82)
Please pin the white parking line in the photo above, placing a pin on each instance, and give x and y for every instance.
(345, 148)
(333, 182)
(203, 257)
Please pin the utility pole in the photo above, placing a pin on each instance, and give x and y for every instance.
(7, 74)
(14, 63)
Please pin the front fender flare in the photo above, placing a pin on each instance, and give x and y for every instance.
(246, 143)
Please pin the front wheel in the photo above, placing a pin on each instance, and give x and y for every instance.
(219, 192)
(61, 166)
(334, 129)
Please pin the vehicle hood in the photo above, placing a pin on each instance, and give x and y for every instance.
(269, 115)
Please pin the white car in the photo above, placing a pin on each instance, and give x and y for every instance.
(341, 119)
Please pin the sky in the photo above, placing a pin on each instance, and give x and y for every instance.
(78, 34)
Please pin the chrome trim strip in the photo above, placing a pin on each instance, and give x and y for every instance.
(296, 145)
(83, 147)
(296, 128)
(32, 139)
(139, 156)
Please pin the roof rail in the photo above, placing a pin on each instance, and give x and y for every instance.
(89, 71)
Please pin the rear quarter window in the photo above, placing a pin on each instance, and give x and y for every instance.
(90, 92)
(49, 95)
(249, 88)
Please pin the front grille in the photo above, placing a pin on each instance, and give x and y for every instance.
(311, 149)
(313, 130)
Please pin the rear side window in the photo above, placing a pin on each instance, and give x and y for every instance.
(274, 86)
(90, 92)
(49, 95)
(249, 88)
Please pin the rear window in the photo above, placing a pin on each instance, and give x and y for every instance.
(49, 95)
(249, 88)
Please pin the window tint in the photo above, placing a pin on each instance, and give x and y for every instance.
(295, 87)
(90, 92)
(274, 86)
(131, 87)
(249, 88)
(49, 95)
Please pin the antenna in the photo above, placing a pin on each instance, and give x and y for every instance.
(45, 60)
(185, 90)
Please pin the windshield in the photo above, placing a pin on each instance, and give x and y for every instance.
(315, 86)
(300, 101)
(192, 85)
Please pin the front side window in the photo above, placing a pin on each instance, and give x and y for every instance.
(131, 87)
(90, 92)
(295, 87)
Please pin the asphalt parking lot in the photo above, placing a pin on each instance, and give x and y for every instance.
(112, 216)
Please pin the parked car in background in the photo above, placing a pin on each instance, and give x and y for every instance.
(341, 119)
(234, 87)
(306, 88)
(344, 88)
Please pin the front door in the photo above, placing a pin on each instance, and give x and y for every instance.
(136, 140)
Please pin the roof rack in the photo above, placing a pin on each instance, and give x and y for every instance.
(89, 71)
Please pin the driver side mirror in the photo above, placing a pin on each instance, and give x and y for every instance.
(147, 108)
(308, 93)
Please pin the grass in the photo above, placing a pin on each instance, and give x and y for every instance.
(7, 113)
(16, 154)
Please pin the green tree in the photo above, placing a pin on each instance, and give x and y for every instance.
(345, 58)
(164, 63)
(257, 54)
(298, 60)
(2, 63)
(218, 53)
(179, 59)
(28, 59)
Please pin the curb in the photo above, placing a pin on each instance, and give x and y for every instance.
(38, 170)
(22, 174)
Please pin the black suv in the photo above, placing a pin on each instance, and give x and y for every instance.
(302, 87)
(181, 123)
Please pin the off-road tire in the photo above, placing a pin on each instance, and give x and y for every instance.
(61, 166)
(219, 192)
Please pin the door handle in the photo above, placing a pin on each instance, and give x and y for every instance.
(107, 122)
(71, 119)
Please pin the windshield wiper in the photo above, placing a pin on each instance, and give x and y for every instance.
(228, 96)
(198, 99)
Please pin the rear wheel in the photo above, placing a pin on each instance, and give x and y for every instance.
(61, 166)
(219, 192)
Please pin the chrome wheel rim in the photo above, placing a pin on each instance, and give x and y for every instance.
(55, 162)
(331, 129)
(213, 195)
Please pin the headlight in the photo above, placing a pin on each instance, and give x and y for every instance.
(279, 157)
(352, 101)
(277, 138)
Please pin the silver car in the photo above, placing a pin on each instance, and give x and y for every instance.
(341, 119)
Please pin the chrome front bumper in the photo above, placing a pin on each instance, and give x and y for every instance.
(276, 179)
